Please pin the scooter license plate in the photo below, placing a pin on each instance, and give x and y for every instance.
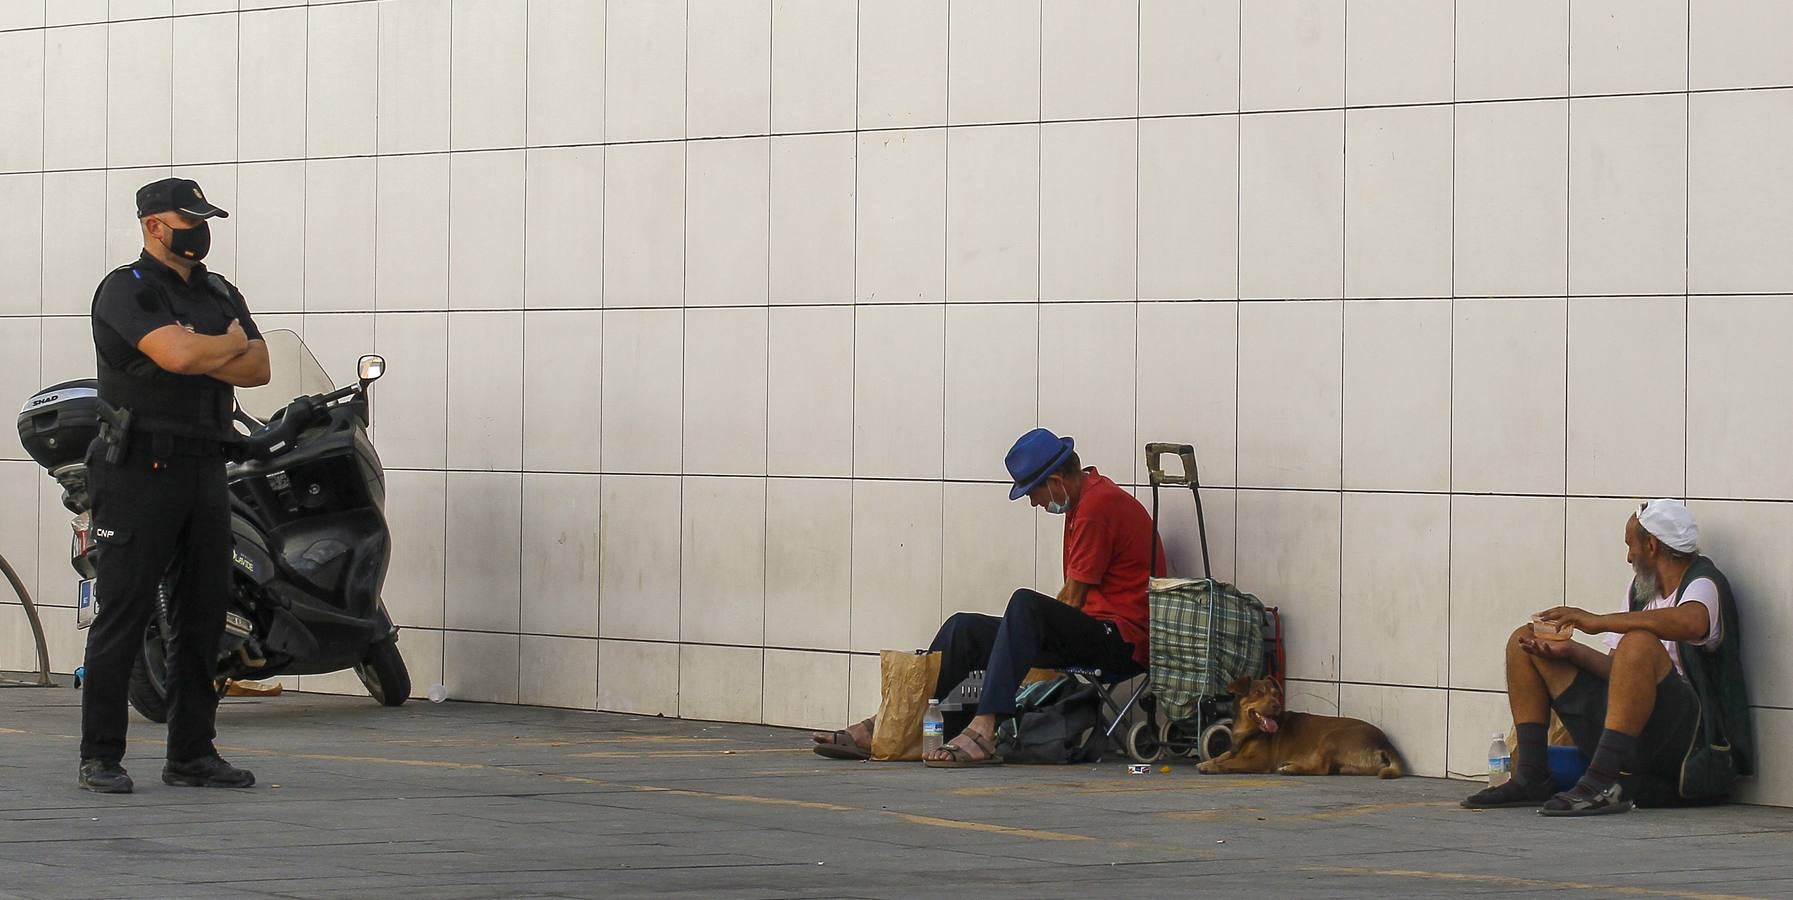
(86, 607)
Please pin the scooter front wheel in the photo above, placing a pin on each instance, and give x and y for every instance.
(382, 672)
(148, 691)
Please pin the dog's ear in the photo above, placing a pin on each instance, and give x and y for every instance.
(1240, 686)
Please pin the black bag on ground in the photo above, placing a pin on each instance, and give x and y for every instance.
(1056, 722)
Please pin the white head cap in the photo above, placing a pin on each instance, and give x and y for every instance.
(1671, 522)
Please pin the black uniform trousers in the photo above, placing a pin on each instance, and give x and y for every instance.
(1035, 631)
(150, 510)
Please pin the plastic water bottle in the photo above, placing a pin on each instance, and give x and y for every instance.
(1500, 761)
(933, 728)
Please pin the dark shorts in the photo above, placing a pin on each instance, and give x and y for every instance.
(1666, 737)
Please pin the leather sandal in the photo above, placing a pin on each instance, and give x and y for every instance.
(962, 758)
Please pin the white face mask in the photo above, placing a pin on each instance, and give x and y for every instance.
(1057, 508)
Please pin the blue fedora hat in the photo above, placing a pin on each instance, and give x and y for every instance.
(1036, 455)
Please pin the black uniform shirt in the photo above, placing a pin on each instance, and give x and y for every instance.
(147, 295)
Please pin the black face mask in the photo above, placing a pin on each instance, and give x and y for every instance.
(190, 243)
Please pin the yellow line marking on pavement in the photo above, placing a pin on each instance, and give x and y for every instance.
(333, 757)
(1347, 812)
(747, 798)
(541, 742)
(1323, 815)
(682, 754)
(1121, 787)
(1510, 881)
(986, 827)
(912, 818)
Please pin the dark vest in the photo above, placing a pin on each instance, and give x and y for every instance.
(1717, 676)
(160, 401)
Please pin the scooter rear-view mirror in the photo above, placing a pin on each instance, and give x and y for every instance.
(371, 368)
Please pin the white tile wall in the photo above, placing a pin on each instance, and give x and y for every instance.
(414, 75)
(558, 671)
(986, 405)
(993, 213)
(1290, 394)
(1511, 224)
(814, 77)
(1397, 395)
(729, 67)
(1292, 54)
(1512, 48)
(1188, 56)
(707, 338)
(1398, 171)
(560, 586)
(488, 44)
(566, 72)
(1089, 219)
(24, 50)
(1398, 51)
(74, 97)
(902, 63)
(644, 244)
(342, 79)
(993, 74)
(1508, 371)
(205, 122)
(1089, 58)
(722, 562)
(901, 203)
(411, 226)
(1291, 198)
(812, 218)
(139, 91)
(1628, 195)
(563, 230)
(1189, 207)
(728, 227)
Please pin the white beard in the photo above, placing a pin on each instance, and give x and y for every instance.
(1645, 586)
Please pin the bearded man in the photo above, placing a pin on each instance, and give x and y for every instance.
(1668, 689)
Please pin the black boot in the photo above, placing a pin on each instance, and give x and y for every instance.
(206, 771)
(104, 778)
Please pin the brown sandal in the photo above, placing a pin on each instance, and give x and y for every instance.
(840, 745)
(962, 759)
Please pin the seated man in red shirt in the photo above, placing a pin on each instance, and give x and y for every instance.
(1098, 619)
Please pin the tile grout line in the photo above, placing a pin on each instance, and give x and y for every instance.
(523, 351)
(1450, 457)
(766, 344)
(1344, 255)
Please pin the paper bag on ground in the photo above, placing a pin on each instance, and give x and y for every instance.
(907, 681)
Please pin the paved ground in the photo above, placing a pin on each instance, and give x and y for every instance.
(470, 800)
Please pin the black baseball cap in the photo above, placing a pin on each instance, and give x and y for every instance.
(180, 195)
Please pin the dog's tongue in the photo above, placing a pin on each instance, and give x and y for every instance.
(1268, 724)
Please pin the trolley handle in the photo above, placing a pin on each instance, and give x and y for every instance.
(1185, 452)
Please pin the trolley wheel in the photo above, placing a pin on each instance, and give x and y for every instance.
(1174, 740)
(1142, 745)
(1215, 740)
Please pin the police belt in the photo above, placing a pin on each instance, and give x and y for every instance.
(121, 428)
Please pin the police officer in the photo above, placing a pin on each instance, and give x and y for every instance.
(172, 341)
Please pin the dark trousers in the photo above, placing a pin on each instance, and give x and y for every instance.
(1037, 631)
(150, 510)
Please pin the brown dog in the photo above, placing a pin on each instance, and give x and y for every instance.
(1268, 738)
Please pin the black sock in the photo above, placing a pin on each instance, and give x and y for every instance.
(1611, 756)
(1531, 762)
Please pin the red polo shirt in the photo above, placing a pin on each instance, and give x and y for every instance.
(1108, 544)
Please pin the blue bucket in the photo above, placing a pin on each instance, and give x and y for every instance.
(1566, 765)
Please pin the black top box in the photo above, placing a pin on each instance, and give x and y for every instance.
(57, 425)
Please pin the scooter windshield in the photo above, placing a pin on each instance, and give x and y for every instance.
(293, 372)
